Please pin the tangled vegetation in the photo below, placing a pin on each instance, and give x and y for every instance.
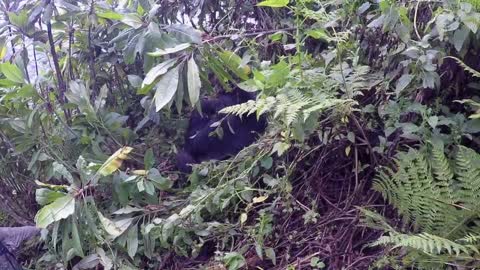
(370, 159)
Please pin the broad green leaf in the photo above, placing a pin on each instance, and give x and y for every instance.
(149, 159)
(234, 63)
(132, 241)
(193, 81)
(459, 38)
(20, 20)
(110, 15)
(7, 83)
(61, 208)
(132, 20)
(273, 3)
(60, 170)
(318, 34)
(44, 196)
(12, 72)
(160, 182)
(76, 242)
(185, 33)
(165, 88)
(157, 71)
(166, 51)
(248, 85)
(79, 95)
(114, 162)
(403, 82)
(234, 260)
(115, 228)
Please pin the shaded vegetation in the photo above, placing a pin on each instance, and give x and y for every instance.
(369, 161)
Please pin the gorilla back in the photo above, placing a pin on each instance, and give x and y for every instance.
(201, 145)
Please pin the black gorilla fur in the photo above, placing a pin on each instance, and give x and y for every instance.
(201, 146)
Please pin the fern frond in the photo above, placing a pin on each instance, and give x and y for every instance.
(427, 243)
(443, 171)
(470, 239)
(465, 67)
(436, 194)
(290, 106)
(467, 172)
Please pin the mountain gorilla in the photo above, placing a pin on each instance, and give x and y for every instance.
(202, 144)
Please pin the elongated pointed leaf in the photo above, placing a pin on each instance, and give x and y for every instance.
(132, 241)
(110, 15)
(61, 208)
(44, 196)
(193, 80)
(132, 20)
(12, 72)
(165, 89)
(175, 49)
(115, 228)
(114, 161)
(273, 3)
(157, 71)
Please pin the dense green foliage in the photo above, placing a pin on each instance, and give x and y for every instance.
(363, 99)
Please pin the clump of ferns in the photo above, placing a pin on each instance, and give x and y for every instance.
(288, 106)
(440, 196)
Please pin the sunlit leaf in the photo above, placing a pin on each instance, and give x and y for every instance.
(273, 3)
(166, 51)
(243, 218)
(193, 81)
(132, 20)
(114, 162)
(12, 72)
(61, 208)
(115, 228)
(259, 199)
(157, 71)
(110, 15)
(234, 63)
(44, 196)
(165, 88)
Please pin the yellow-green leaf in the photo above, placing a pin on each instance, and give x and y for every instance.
(115, 228)
(12, 72)
(193, 81)
(61, 208)
(114, 161)
(166, 51)
(259, 199)
(243, 218)
(273, 3)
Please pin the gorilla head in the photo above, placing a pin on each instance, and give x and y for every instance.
(202, 144)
